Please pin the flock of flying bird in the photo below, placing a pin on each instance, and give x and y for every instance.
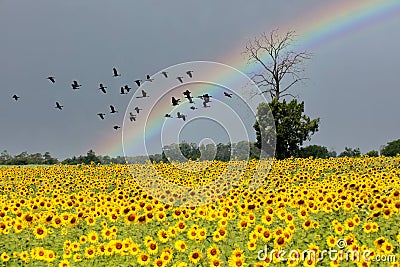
(125, 89)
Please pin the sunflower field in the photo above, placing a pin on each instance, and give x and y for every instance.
(100, 215)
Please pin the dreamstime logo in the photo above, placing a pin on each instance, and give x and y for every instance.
(205, 103)
(333, 254)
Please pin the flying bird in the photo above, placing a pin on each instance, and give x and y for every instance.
(144, 94)
(187, 93)
(113, 109)
(138, 82)
(227, 94)
(165, 74)
(180, 78)
(102, 88)
(52, 79)
(181, 116)
(15, 97)
(115, 73)
(175, 101)
(148, 78)
(167, 116)
(188, 96)
(205, 97)
(189, 73)
(132, 116)
(58, 106)
(101, 115)
(127, 88)
(116, 127)
(122, 91)
(138, 109)
(75, 85)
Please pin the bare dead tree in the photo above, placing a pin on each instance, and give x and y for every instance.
(283, 67)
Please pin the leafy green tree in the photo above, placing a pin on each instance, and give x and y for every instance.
(48, 159)
(118, 160)
(156, 158)
(314, 151)
(20, 159)
(350, 152)
(223, 152)
(208, 152)
(91, 157)
(70, 161)
(104, 159)
(36, 158)
(391, 149)
(255, 152)
(5, 157)
(292, 127)
(332, 154)
(372, 153)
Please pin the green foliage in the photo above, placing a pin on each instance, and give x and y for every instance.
(373, 153)
(24, 158)
(314, 151)
(332, 154)
(292, 127)
(391, 149)
(88, 159)
(350, 152)
(224, 152)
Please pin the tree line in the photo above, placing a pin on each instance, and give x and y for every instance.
(223, 152)
(25, 159)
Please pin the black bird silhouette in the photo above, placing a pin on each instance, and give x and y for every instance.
(175, 101)
(122, 91)
(144, 94)
(75, 85)
(113, 109)
(115, 73)
(189, 73)
(205, 104)
(58, 106)
(127, 88)
(102, 88)
(181, 116)
(138, 82)
(180, 78)
(165, 74)
(15, 97)
(101, 115)
(132, 116)
(167, 116)
(138, 109)
(116, 127)
(187, 93)
(228, 94)
(148, 78)
(52, 79)
(188, 96)
(193, 108)
(205, 97)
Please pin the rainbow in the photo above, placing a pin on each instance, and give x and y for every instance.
(323, 25)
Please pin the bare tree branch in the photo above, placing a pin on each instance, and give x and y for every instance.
(282, 67)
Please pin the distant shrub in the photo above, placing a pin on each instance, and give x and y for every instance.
(372, 153)
(314, 151)
(391, 149)
(350, 152)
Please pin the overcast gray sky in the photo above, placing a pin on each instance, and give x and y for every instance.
(353, 81)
